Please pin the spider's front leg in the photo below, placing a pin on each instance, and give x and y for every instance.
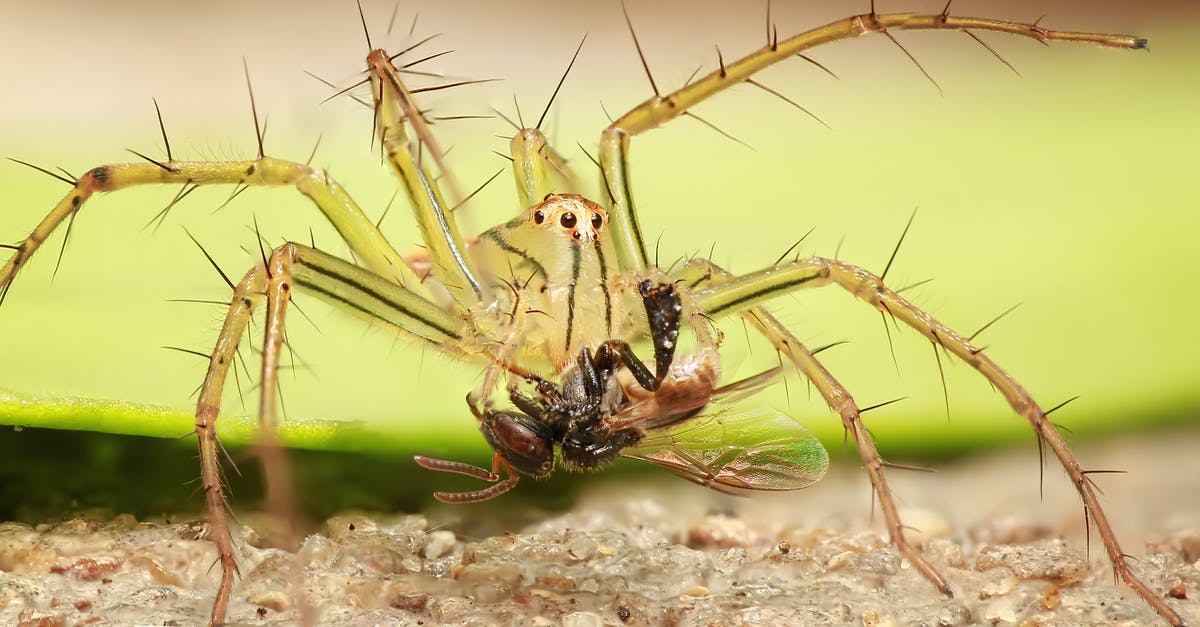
(730, 295)
(660, 108)
(394, 110)
(359, 233)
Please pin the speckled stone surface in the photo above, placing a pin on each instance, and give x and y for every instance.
(660, 551)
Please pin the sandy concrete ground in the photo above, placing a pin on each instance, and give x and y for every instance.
(658, 552)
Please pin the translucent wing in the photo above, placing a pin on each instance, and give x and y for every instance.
(764, 449)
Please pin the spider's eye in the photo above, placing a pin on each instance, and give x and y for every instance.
(597, 221)
(568, 220)
(539, 217)
(548, 197)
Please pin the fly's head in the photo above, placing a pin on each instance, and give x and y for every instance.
(526, 444)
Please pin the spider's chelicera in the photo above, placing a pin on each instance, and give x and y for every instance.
(552, 300)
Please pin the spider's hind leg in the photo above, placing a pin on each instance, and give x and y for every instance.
(741, 293)
(702, 274)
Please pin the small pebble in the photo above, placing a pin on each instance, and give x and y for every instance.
(438, 543)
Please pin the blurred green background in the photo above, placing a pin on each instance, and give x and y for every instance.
(1069, 190)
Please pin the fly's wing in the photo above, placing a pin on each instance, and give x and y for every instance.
(679, 400)
(764, 449)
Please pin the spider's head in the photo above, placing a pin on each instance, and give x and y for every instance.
(569, 216)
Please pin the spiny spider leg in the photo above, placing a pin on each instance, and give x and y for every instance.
(538, 167)
(700, 274)
(394, 108)
(749, 290)
(292, 267)
(359, 233)
(660, 109)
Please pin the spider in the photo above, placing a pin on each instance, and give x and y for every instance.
(530, 298)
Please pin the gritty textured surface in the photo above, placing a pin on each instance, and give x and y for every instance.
(660, 552)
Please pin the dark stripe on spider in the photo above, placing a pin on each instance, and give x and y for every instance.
(604, 286)
(633, 223)
(495, 238)
(444, 225)
(373, 294)
(575, 260)
(354, 305)
(760, 293)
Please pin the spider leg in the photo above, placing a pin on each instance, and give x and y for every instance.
(247, 295)
(660, 109)
(742, 293)
(292, 267)
(359, 233)
(539, 168)
(702, 274)
(394, 109)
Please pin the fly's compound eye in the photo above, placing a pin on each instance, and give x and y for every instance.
(597, 221)
(539, 216)
(568, 220)
(521, 440)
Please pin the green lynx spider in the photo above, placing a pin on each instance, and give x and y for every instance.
(462, 299)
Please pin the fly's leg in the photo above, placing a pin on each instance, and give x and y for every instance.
(660, 109)
(359, 233)
(292, 267)
(742, 293)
